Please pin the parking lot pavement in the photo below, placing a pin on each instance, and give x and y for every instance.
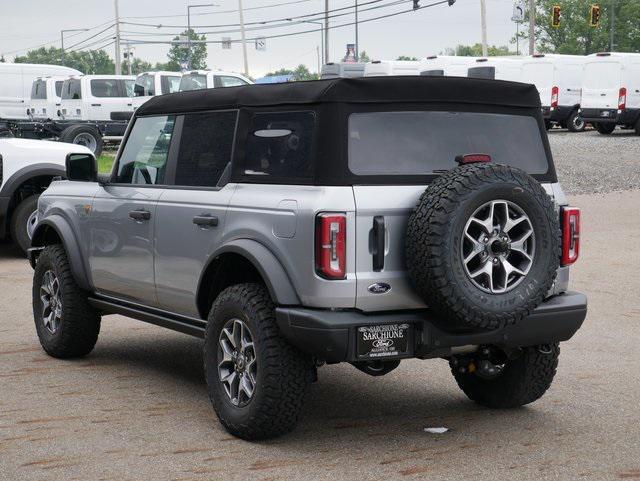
(137, 407)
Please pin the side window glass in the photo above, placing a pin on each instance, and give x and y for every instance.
(144, 157)
(229, 81)
(205, 148)
(280, 144)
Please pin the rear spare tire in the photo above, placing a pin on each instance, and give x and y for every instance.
(85, 135)
(483, 245)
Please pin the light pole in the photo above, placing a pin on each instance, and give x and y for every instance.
(326, 31)
(357, 50)
(244, 39)
(532, 26)
(118, 52)
(189, 7)
(62, 32)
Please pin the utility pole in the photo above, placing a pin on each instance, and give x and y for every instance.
(118, 52)
(613, 26)
(129, 57)
(318, 54)
(189, 7)
(357, 52)
(483, 26)
(532, 27)
(62, 32)
(244, 39)
(326, 31)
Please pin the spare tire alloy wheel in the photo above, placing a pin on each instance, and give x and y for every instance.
(51, 298)
(498, 246)
(483, 246)
(237, 369)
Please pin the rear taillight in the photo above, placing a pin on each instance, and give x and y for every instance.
(570, 235)
(331, 245)
(622, 98)
(554, 96)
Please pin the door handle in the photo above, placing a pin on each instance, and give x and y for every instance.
(205, 220)
(378, 243)
(96, 105)
(140, 215)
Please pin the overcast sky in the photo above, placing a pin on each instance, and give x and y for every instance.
(29, 23)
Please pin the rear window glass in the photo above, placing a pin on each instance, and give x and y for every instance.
(279, 144)
(71, 89)
(39, 90)
(228, 81)
(59, 84)
(193, 82)
(144, 86)
(111, 88)
(170, 83)
(422, 143)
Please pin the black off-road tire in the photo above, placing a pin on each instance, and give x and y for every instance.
(70, 134)
(434, 251)
(605, 128)
(548, 125)
(283, 372)
(19, 220)
(80, 323)
(522, 381)
(637, 127)
(575, 123)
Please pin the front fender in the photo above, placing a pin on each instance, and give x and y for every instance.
(275, 277)
(64, 231)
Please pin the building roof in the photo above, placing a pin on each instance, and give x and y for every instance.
(389, 89)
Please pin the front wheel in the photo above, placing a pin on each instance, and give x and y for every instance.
(513, 383)
(255, 378)
(605, 129)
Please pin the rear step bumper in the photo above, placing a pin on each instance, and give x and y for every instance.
(331, 335)
(605, 116)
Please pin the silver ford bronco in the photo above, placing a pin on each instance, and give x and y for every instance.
(349, 220)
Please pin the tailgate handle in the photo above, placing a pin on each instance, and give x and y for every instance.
(378, 243)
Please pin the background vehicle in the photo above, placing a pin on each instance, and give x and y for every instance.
(342, 69)
(208, 79)
(449, 65)
(498, 68)
(45, 97)
(379, 68)
(245, 221)
(97, 97)
(16, 80)
(149, 84)
(558, 79)
(27, 167)
(611, 91)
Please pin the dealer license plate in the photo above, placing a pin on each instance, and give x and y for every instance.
(382, 341)
(605, 113)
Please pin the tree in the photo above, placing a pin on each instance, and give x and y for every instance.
(301, 72)
(476, 51)
(86, 61)
(179, 52)
(364, 57)
(138, 66)
(405, 57)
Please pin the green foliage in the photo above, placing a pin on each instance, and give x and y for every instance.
(301, 72)
(137, 66)
(180, 51)
(406, 57)
(364, 57)
(87, 61)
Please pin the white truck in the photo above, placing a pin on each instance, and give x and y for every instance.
(379, 68)
(342, 70)
(498, 68)
(150, 84)
(208, 79)
(558, 79)
(447, 65)
(27, 167)
(16, 81)
(611, 91)
(45, 97)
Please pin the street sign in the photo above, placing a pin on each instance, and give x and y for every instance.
(226, 43)
(518, 11)
(261, 44)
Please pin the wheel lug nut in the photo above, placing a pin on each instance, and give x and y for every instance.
(495, 260)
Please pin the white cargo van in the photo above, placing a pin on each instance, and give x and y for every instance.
(498, 68)
(611, 91)
(45, 97)
(558, 79)
(16, 80)
(149, 84)
(379, 68)
(342, 69)
(447, 65)
(97, 97)
(208, 79)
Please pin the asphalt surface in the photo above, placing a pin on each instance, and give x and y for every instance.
(137, 408)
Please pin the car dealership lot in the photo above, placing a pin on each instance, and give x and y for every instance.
(137, 407)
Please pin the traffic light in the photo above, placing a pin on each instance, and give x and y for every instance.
(594, 16)
(416, 4)
(555, 16)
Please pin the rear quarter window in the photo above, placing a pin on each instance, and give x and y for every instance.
(427, 142)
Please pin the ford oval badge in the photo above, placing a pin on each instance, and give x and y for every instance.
(379, 288)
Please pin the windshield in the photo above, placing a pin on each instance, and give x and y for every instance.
(170, 83)
(422, 143)
(602, 75)
(193, 81)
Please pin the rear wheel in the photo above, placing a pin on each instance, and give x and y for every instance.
(23, 222)
(605, 128)
(255, 378)
(575, 123)
(514, 382)
(548, 124)
(84, 135)
(637, 127)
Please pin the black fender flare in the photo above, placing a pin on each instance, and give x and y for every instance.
(29, 172)
(275, 277)
(76, 261)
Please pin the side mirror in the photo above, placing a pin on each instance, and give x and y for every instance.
(82, 167)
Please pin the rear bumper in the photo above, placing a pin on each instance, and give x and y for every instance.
(331, 335)
(626, 116)
(557, 114)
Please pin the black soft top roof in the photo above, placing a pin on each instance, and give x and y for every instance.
(392, 89)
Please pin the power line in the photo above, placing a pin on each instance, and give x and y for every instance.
(92, 36)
